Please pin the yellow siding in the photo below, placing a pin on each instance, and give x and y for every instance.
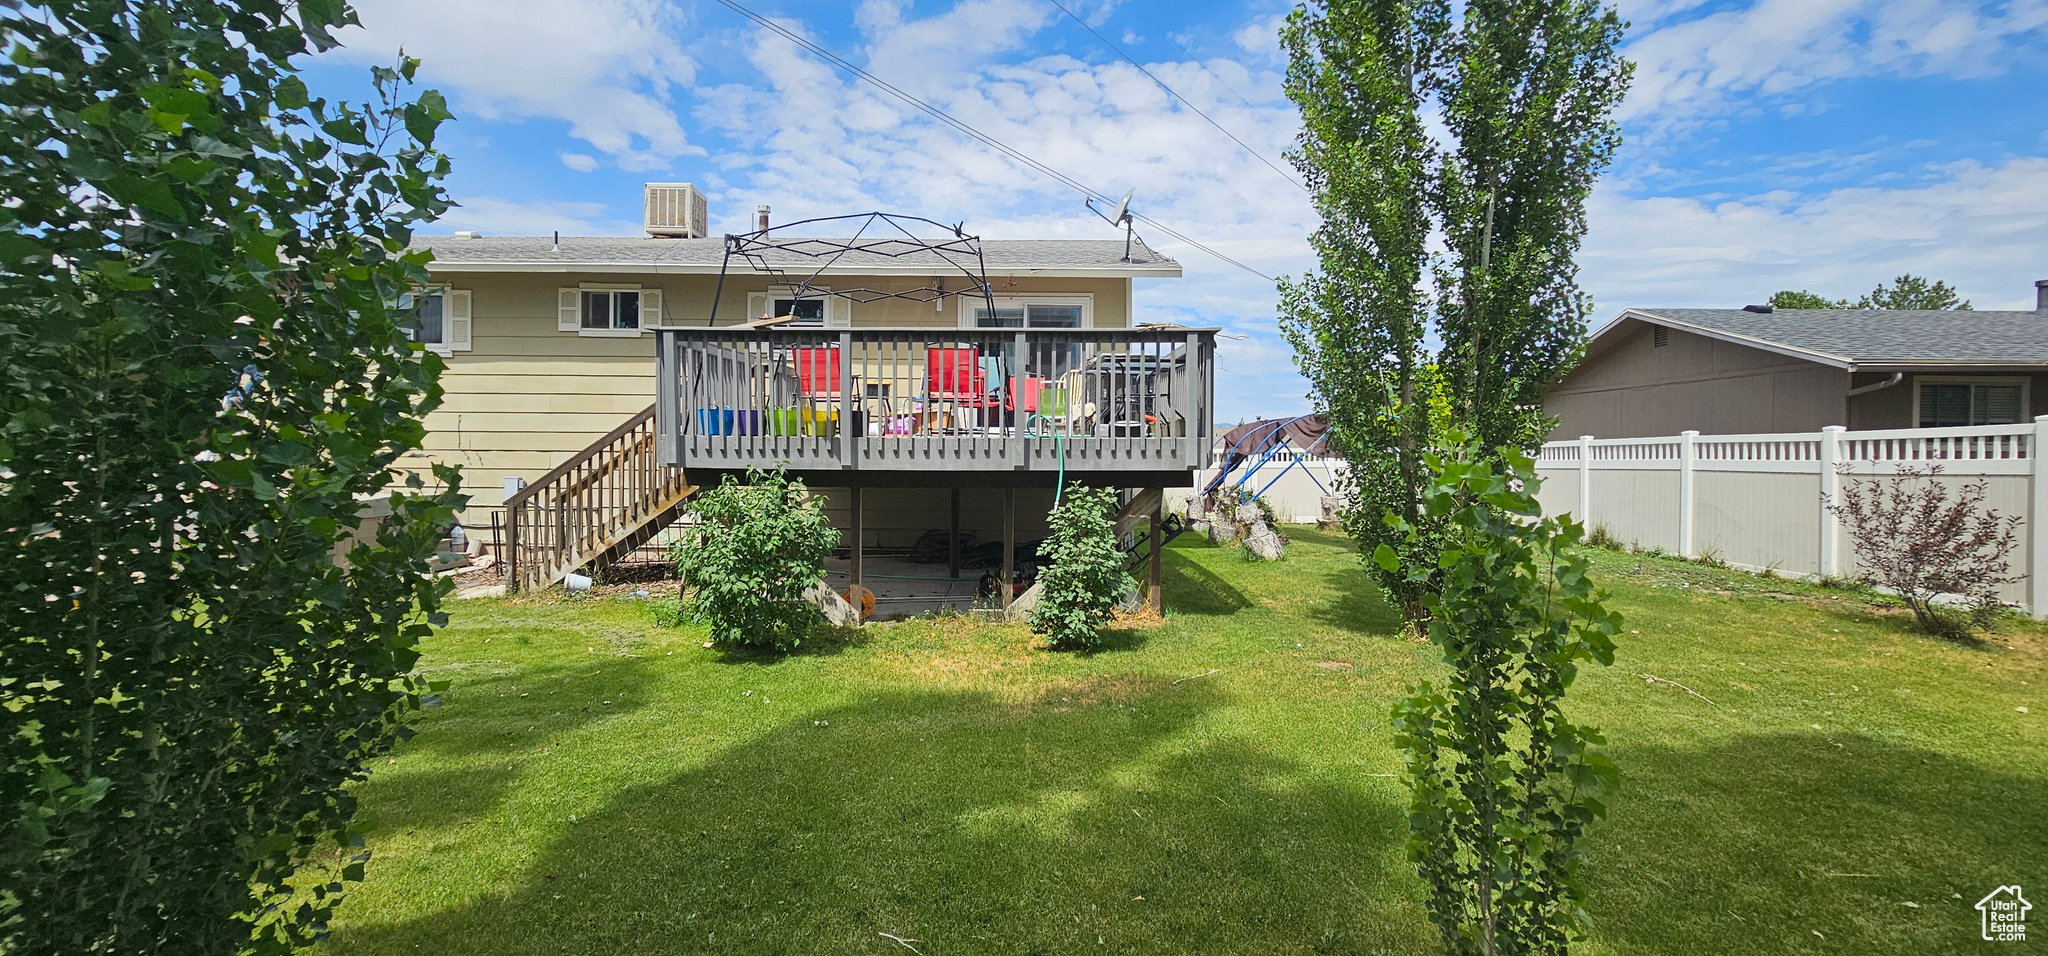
(527, 396)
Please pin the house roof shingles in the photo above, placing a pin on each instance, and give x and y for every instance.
(606, 253)
(1872, 337)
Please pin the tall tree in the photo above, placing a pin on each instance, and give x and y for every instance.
(1529, 105)
(1905, 292)
(205, 367)
(1914, 292)
(1359, 324)
(1789, 299)
(1388, 332)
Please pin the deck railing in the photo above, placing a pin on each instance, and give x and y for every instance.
(921, 399)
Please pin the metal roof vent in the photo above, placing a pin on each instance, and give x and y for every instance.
(1758, 309)
(2041, 296)
(676, 211)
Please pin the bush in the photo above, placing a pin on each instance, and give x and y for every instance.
(1079, 591)
(1911, 538)
(204, 366)
(1502, 786)
(757, 547)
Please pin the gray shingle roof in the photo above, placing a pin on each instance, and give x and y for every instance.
(1873, 337)
(608, 253)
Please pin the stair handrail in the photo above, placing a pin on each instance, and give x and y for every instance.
(557, 484)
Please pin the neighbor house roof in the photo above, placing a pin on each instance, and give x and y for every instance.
(1086, 258)
(1861, 338)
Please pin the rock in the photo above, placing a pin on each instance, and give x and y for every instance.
(1332, 517)
(1264, 543)
(1222, 532)
(1249, 513)
(837, 611)
(1021, 605)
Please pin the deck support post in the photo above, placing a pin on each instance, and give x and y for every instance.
(953, 539)
(856, 536)
(1152, 589)
(1009, 544)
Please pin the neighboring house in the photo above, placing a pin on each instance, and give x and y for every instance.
(551, 346)
(1653, 372)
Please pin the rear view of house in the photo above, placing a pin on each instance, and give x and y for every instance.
(921, 378)
(1754, 371)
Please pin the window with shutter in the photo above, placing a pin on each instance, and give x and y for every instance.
(608, 311)
(442, 319)
(1951, 403)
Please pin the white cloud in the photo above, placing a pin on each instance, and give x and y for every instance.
(606, 67)
(1980, 227)
(580, 162)
(496, 216)
(1699, 67)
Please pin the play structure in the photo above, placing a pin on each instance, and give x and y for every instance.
(1296, 439)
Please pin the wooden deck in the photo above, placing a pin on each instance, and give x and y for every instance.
(910, 402)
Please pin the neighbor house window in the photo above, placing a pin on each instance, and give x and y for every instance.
(611, 309)
(1950, 403)
(1048, 313)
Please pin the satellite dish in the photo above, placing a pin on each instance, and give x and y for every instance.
(1122, 212)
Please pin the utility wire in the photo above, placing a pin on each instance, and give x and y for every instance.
(984, 138)
(1220, 81)
(1182, 99)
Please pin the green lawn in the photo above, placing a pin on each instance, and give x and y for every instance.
(1219, 784)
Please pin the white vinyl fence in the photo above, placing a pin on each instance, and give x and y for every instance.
(1757, 501)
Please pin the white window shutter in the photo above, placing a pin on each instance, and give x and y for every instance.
(838, 312)
(569, 310)
(650, 308)
(757, 307)
(458, 316)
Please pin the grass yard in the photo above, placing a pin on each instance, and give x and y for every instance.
(1222, 783)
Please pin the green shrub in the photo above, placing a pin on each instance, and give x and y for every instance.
(1502, 786)
(1086, 578)
(757, 546)
(205, 366)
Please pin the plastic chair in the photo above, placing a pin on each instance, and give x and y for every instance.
(953, 376)
(817, 382)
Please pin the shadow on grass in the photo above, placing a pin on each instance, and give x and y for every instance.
(488, 717)
(972, 825)
(1751, 846)
(1358, 605)
(1186, 587)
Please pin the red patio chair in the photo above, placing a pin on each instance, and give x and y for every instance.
(953, 376)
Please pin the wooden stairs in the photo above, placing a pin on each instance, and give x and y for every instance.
(593, 509)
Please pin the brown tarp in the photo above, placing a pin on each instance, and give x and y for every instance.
(1304, 433)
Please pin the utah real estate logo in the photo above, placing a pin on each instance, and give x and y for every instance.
(2005, 914)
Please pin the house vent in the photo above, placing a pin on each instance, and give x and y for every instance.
(1660, 336)
(676, 211)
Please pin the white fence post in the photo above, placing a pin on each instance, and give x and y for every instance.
(1830, 493)
(1586, 481)
(1686, 451)
(2037, 511)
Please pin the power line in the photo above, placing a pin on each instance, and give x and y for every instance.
(1182, 99)
(1220, 81)
(979, 136)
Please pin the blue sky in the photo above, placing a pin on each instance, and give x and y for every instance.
(1822, 144)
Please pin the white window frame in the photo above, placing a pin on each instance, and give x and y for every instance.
(451, 297)
(2025, 383)
(650, 303)
(1086, 300)
(838, 309)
